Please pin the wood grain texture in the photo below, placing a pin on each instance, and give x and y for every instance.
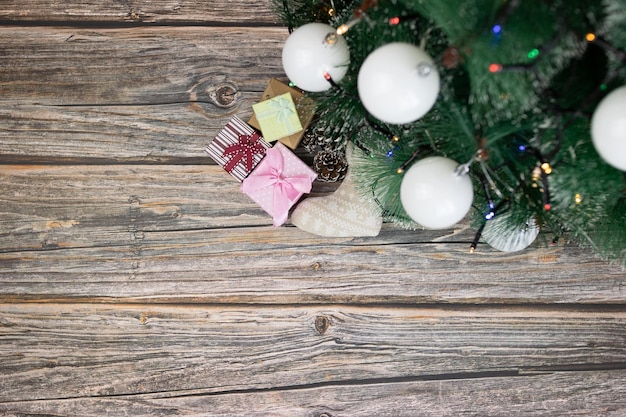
(266, 265)
(187, 233)
(566, 394)
(139, 11)
(69, 351)
(140, 65)
(141, 94)
(48, 207)
(51, 207)
(136, 279)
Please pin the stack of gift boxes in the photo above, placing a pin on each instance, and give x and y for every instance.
(273, 176)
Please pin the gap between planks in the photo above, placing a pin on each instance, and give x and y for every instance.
(421, 311)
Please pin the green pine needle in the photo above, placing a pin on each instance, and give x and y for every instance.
(519, 84)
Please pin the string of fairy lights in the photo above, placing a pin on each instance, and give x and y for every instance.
(316, 58)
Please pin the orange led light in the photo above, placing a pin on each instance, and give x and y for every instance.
(590, 37)
(495, 68)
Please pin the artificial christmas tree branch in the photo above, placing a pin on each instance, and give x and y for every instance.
(520, 84)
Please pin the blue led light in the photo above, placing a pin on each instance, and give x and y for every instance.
(522, 148)
(491, 205)
(490, 215)
(389, 154)
(496, 29)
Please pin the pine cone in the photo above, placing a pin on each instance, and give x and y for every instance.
(313, 140)
(331, 166)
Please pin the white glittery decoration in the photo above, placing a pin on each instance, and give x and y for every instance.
(345, 213)
(507, 239)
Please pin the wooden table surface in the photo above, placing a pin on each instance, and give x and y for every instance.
(135, 278)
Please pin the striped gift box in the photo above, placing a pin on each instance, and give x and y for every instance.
(237, 148)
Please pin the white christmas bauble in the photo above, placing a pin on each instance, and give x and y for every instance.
(398, 83)
(507, 239)
(307, 56)
(434, 195)
(608, 128)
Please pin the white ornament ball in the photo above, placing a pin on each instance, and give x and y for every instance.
(499, 236)
(434, 195)
(307, 56)
(398, 83)
(608, 128)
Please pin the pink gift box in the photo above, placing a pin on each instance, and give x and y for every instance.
(278, 182)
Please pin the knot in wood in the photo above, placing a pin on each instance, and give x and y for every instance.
(223, 95)
(322, 323)
(324, 415)
(134, 16)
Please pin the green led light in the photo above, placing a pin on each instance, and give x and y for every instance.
(603, 87)
(533, 54)
(292, 84)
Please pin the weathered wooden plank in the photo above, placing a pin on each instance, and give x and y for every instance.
(567, 394)
(70, 351)
(140, 94)
(65, 206)
(263, 265)
(139, 11)
(47, 207)
(171, 233)
(142, 65)
(108, 134)
(79, 206)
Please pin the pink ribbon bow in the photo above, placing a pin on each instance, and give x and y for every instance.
(246, 147)
(286, 189)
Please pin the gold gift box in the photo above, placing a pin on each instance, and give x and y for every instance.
(305, 107)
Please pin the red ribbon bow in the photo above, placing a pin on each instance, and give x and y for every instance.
(286, 189)
(246, 147)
